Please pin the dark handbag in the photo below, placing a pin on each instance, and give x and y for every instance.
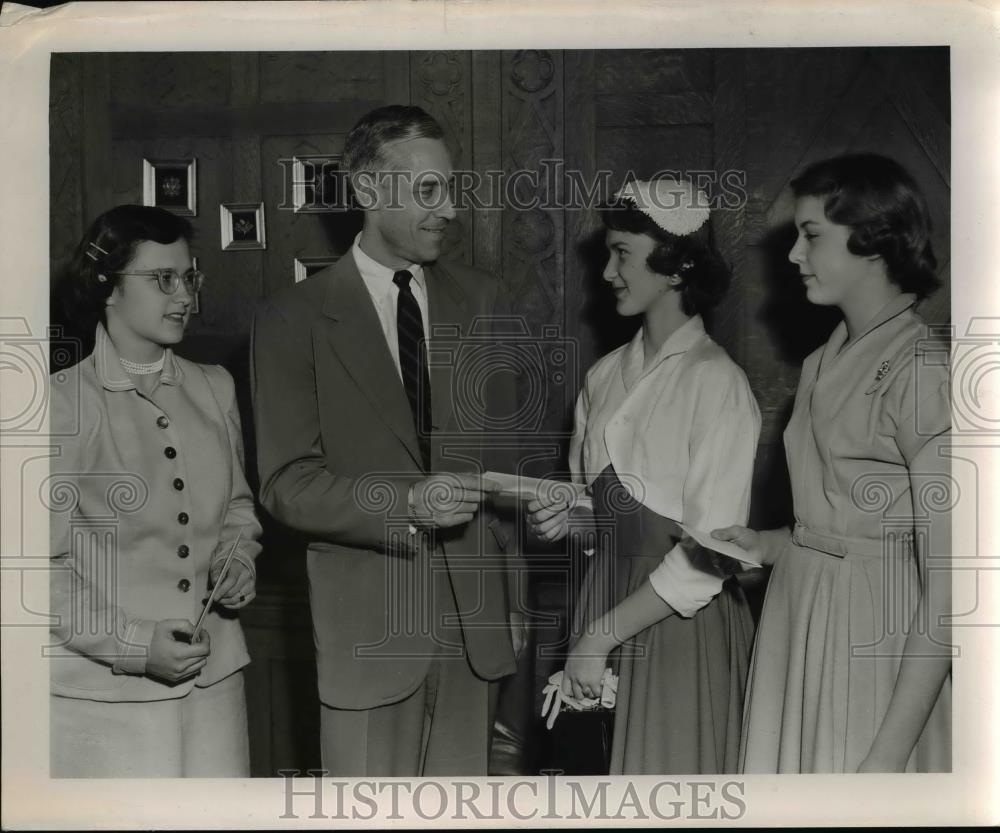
(579, 742)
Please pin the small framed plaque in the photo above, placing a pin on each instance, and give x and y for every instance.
(318, 184)
(242, 226)
(305, 267)
(171, 184)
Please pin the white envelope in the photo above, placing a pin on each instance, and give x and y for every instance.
(526, 488)
(725, 547)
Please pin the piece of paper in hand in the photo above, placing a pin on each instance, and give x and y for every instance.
(727, 548)
(196, 636)
(526, 488)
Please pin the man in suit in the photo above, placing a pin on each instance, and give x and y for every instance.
(408, 576)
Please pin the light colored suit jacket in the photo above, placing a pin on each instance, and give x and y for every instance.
(145, 494)
(337, 452)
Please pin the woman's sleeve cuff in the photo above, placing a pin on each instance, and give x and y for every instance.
(247, 562)
(245, 558)
(134, 647)
(686, 584)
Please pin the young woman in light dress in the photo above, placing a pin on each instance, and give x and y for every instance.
(148, 498)
(851, 667)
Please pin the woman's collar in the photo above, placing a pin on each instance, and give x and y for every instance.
(634, 365)
(113, 376)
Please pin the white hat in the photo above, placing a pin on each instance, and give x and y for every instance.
(676, 206)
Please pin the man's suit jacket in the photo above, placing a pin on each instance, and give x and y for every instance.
(337, 452)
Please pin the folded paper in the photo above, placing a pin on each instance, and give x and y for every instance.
(727, 548)
(526, 488)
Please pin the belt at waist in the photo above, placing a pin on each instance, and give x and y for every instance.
(893, 543)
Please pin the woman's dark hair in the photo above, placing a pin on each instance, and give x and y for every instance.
(880, 202)
(107, 248)
(704, 275)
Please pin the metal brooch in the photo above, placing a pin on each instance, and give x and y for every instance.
(880, 374)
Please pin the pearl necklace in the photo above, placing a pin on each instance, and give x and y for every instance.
(144, 368)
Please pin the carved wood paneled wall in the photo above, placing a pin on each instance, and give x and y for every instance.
(763, 113)
(441, 83)
(532, 134)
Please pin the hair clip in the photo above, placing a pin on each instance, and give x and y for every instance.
(91, 255)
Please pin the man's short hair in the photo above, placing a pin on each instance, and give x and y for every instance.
(364, 149)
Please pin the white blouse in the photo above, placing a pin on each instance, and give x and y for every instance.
(681, 434)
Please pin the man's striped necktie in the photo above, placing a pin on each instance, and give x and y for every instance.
(413, 362)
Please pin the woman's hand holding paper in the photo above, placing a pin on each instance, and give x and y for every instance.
(549, 521)
(173, 654)
(238, 586)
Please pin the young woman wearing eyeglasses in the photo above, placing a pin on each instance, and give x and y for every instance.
(148, 498)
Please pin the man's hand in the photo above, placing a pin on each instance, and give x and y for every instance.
(445, 500)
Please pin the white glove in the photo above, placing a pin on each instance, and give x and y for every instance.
(555, 699)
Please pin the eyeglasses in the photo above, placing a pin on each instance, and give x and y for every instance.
(169, 281)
